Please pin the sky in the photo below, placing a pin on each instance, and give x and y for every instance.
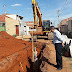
(49, 9)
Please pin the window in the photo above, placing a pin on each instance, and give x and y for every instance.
(24, 26)
(3, 24)
(20, 25)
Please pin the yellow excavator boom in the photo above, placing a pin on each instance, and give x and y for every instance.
(36, 13)
(33, 1)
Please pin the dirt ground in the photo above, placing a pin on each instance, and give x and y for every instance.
(49, 59)
(16, 55)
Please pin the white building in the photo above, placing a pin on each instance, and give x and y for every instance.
(24, 29)
(16, 17)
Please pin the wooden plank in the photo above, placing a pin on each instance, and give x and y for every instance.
(32, 48)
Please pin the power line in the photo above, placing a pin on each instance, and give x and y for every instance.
(67, 4)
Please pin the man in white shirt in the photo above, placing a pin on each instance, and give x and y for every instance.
(58, 42)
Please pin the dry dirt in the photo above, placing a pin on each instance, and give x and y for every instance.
(49, 59)
(16, 55)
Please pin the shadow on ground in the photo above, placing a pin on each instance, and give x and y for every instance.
(35, 67)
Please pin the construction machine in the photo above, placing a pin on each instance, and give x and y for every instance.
(38, 16)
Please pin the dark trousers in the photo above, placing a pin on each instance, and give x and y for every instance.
(58, 48)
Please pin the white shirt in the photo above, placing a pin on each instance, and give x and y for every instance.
(57, 37)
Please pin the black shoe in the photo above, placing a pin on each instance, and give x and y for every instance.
(56, 66)
(59, 68)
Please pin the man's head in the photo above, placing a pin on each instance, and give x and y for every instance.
(52, 28)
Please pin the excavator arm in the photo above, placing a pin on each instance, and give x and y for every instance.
(36, 13)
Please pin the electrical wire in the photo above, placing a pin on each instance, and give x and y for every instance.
(65, 7)
(67, 4)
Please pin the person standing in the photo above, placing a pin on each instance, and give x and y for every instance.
(58, 42)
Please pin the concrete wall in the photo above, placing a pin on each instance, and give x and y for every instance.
(69, 26)
(11, 25)
(64, 29)
(16, 17)
(24, 29)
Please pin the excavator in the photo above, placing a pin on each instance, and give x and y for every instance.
(38, 15)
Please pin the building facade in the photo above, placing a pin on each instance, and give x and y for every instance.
(64, 22)
(9, 25)
(70, 26)
(18, 18)
(64, 29)
(2, 26)
(2, 23)
(12, 26)
(64, 26)
(25, 27)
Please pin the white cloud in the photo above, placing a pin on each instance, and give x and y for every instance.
(16, 5)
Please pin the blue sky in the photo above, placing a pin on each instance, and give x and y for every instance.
(48, 8)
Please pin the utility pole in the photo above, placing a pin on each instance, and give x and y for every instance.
(54, 23)
(4, 8)
(58, 16)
